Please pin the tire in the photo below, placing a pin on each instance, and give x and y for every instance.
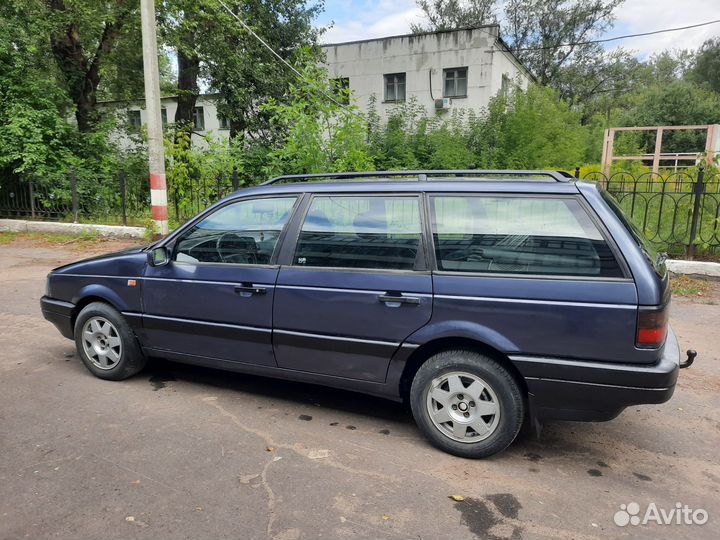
(106, 344)
(469, 384)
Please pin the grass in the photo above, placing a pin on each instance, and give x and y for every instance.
(689, 287)
(84, 239)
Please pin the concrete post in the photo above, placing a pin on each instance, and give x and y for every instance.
(156, 151)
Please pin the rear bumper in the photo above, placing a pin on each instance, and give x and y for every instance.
(59, 313)
(597, 391)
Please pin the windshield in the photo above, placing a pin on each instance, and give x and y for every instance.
(643, 243)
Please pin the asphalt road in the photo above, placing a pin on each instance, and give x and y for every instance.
(185, 452)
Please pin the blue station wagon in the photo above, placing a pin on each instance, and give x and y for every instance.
(485, 299)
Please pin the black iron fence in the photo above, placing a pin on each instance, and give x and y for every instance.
(124, 201)
(678, 212)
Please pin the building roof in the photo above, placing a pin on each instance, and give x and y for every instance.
(412, 34)
(504, 47)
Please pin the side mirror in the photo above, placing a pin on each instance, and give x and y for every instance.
(158, 256)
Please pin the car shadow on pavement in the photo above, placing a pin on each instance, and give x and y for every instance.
(161, 371)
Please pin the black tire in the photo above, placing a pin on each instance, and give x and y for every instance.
(502, 393)
(130, 360)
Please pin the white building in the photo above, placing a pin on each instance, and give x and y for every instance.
(132, 116)
(443, 70)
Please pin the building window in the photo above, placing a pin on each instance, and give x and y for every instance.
(163, 114)
(455, 82)
(134, 120)
(341, 89)
(505, 84)
(395, 87)
(199, 119)
(224, 122)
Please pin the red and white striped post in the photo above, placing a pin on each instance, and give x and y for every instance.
(156, 150)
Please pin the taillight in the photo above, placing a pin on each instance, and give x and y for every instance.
(652, 327)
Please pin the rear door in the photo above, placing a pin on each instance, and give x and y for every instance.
(214, 298)
(537, 272)
(355, 287)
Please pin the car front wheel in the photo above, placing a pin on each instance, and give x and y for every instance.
(467, 403)
(106, 343)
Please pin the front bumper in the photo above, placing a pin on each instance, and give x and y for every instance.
(59, 313)
(596, 391)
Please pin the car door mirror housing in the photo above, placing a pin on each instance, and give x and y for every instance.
(158, 256)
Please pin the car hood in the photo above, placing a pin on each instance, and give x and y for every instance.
(107, 264)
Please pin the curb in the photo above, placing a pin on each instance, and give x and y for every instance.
(108, 231)
(694, 268)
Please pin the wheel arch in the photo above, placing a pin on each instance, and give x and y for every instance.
(420, 355)
(84, 301)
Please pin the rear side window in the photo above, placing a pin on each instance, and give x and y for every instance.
(360, 232)
(519, 235)
(640, 239)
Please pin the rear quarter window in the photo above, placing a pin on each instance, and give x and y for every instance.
(519, 235)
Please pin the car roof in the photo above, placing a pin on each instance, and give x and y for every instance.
(454, 185)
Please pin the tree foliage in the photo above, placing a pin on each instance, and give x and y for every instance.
(453, 14)
(706, 67)
(319, 134)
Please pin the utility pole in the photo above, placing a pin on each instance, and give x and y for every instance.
(156, 151)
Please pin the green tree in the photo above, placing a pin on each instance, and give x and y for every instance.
(549, 35)
(213, 48)
(706, 67)
(319, 135)
(676, 103)
(453, 14)
(531, 129)
(82, 34)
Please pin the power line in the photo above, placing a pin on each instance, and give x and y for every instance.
(615, 38)
(278, 56)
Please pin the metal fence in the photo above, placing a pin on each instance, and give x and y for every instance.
(124, 201)
(679, 212)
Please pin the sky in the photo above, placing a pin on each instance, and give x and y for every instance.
(363, 19)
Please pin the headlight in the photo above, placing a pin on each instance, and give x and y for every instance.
(47, 286)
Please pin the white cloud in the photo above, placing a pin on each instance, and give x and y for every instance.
(637, 16)
(367, 19)
(377, 19)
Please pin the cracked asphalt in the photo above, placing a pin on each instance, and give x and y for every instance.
(187, 452)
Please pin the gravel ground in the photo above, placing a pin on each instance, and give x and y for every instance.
(186, 452)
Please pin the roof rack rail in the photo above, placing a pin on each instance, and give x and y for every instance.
(422, 175)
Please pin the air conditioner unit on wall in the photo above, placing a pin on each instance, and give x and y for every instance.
(443, 103)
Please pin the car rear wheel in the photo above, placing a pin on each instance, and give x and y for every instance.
(106, 343)
(467, 403)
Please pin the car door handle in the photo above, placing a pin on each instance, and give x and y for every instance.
(390, 299)
(249, 290)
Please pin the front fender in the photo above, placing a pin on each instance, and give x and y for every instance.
(107, 294)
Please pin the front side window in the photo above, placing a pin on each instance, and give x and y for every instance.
(455, 83)
(360, 232)
(245, 232)
(395, 87)
(519, 235)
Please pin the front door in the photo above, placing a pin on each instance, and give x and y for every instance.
(214, 299)
(356, 288)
